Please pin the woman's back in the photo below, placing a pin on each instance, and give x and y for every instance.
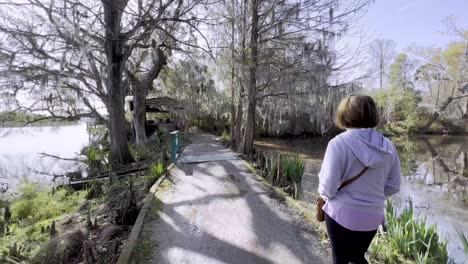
(354, 212)
(358, 148)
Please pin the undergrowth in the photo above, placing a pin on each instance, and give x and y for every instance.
(32, 214)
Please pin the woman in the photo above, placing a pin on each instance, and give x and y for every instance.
(353, 213)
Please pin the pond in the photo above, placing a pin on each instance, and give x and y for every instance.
(435, 170)
(21, 149)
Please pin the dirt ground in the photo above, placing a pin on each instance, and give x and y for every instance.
(217, 212)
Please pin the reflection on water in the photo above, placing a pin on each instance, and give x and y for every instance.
(435, 170)
(20, 149)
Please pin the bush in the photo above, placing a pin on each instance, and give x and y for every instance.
(97, 157)
(151, 150)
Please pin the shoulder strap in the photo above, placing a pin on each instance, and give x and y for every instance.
(349, 181)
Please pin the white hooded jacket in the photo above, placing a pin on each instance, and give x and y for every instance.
(346, 155)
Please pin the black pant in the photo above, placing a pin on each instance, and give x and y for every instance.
(348, 246)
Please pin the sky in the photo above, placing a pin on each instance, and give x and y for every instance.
(414, 21)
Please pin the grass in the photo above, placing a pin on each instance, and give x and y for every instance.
(34, 204)
(32, 212)
(408, 240)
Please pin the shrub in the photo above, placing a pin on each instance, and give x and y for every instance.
(142, 152)
(151, 150)
(97, 157)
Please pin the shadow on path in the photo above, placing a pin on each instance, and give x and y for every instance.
(221, 214)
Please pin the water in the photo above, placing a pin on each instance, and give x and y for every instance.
(20, 148)
(435, 170)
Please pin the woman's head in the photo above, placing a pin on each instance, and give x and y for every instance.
(357, 111)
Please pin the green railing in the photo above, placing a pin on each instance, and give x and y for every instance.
(176, 145)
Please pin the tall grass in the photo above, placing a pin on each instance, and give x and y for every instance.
(408, 238)
(464, 241)
(282, 170)
(270, 168)
(293, 168)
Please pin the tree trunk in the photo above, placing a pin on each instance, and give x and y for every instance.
(120, 153)
(248, 143)
(238, 131)
(239, 115)
(139, 113)
(381, 68)
(249, 133)
(141, 86)
(233, 107)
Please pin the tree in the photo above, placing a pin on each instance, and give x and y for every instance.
(381, 52)
(189, 81)
(400, 75)
(141, 81)
(73, 60)
(291, 46)
(117, 54)
(444, 74)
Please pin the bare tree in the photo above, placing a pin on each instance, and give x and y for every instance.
(381, 52)
(291, 43)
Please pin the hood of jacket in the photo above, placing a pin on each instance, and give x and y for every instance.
(369, 146)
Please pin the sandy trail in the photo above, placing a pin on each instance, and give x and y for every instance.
(216, 212)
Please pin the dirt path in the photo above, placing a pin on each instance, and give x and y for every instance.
(216, 212)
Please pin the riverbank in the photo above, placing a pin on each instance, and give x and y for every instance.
(439, 128)
(40, 225)
(21, 119)
(87, 223)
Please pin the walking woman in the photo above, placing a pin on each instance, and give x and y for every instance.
(354, 212)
